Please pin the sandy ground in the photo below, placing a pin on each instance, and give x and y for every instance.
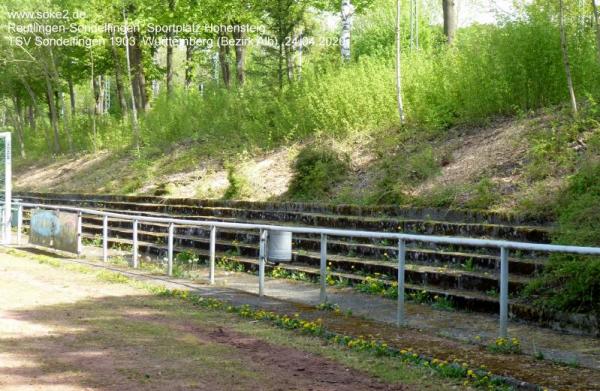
(66, 330)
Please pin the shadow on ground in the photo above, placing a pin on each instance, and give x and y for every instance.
(147, 342)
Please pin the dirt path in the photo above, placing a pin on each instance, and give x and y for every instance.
(66, 330)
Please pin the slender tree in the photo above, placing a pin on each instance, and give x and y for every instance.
(347, 13)
(565, 55)
(399, 65)
(134, 118)
(450, 19)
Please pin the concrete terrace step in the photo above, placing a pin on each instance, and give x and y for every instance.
(442, 214)
(249, 244)
(509, 232)
(461, 298)
(359, 243)
(443, 278)
(417, 252)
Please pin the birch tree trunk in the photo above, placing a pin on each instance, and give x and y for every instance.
(71, 95)
(450, 19)
(345, 38)
(398, 65)
(565, 55)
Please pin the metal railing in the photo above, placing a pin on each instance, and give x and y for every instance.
(401, 238)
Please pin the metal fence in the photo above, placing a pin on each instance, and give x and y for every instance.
(401, 238)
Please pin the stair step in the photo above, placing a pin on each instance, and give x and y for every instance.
(524, 233)
(468, 250)
(445, 214)
(443, 278)
(461, 298)
(414, 254)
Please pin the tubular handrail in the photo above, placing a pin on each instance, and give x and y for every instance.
(402, 238)
(335, 232)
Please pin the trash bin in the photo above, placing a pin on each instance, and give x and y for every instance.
(279, 246)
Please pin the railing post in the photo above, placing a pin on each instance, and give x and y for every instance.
(401, 319)
(323, 271)
(503, 292)
(19, 224)
(79, 233)
(105, 238)
(170, 249)
(262, 258)
(213, 244)
(135, 249)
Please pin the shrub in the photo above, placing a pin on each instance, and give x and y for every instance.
(570, 282)
(238, 185)
(316, 170)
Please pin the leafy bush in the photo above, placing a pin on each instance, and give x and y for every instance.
(238, 185)
(570, 282)
(316, 170)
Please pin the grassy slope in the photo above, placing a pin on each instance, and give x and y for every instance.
(510, 163)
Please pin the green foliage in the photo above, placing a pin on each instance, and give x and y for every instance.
(238, 185)
(505, 346)
(570, 282)
(484, 195)
(316, 170)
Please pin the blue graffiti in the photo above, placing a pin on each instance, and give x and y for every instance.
(45, 223)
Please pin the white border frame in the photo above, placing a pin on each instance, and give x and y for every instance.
(7, 208)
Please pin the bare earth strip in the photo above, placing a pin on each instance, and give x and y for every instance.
(64, 330)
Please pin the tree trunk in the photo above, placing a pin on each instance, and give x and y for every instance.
(60, 99)
(66, 120)
(93, 112)
(189, 66)
(118, 79)
(170, 53)
(565, 54)
(280, 65)
(240, 56)
(224, 60)
(31, 115)
(99, 95)
(19, 123)
(597, 21)
(134, 118)
(72, 95)
(139, 79)
(52, 113)
(398, 66)
(33, 105)
(289, 64)
(300, 50)
(450, 19)
(347, 12)
(414, 24)
(169, 67)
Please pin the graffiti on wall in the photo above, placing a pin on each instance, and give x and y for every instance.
(54, 229)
